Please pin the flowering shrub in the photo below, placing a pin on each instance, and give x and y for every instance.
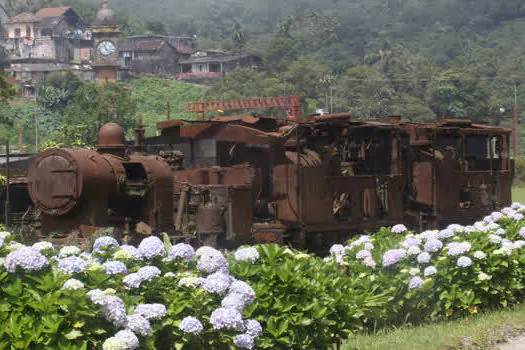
(158, 296)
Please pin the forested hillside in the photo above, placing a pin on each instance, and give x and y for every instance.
(424, 59)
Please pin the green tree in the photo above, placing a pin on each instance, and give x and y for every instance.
(459, 92)
(92, 106)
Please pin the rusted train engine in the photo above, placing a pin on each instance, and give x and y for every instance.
(234, 180)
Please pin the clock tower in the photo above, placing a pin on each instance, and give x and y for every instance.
(105, 40)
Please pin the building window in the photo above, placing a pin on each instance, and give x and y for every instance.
(17, 33)
(215, 67)
(28, 31)
(200, 67)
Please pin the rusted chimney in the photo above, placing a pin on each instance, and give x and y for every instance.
(111, 139)
(139, 132)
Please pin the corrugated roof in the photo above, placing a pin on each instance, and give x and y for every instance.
(26, 17)
(206, 59)
(48, 22)
(146, 45)
(52, 11)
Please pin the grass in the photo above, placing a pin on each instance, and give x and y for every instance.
(482, 331)
(518, 194)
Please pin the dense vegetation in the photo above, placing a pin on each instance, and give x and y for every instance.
(160, 296)
(419, 58)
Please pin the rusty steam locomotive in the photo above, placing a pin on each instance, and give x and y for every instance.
(234, 180)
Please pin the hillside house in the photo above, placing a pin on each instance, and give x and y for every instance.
(155, 54)
(214, 64)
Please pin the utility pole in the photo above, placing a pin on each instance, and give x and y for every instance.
(36, 133)
(20, 144)
(515, 126)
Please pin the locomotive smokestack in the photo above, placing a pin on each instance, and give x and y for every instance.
(111, 140)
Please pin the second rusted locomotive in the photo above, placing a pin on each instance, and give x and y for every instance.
(256, 179)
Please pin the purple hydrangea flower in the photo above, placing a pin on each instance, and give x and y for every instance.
(363, 254)
(27, 258)
(138, 325)
(216, 283)
(495, 239)
(151, 247)
(429, 271)
(114, 310)
(129, 338)
(226, 318)
(411, 242)
(244, 290)
(516, 216)
(114, 267)
(423, 258)
(464, 261)
(522, 231)
(249, 253)
(147, 273)
(369, 262)
(393, 256)
(456, 248)
(72, 264)
(446, 233)
(253, 328)
(211, 261)
(151, 311)
(488, 220)
(415, 282)
(103, 244)
(191, 325)
(133, 280)
(433, 245)
(500, 231)
(243, 341)
(181, 250)
(337, 249)
(233, 301)
(496, 216)
(368, 246)
(399, 228)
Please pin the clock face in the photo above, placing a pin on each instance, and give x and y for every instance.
(106, 48)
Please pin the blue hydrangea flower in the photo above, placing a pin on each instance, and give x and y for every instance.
(233, 301)
(500, 231)
(369, 262)
(97, 296)
(226, 318)
(429, 271)
(72, 264)
(243, 289)
(446, 233)
(249, 253)
(151, 311)
(496, 216)
(522, 231)
(212, 261)
(181, 250)
(337, 249)
(411, 242)
(458, 248)
(27, 258)
(133, 280)
(464, 261)
(114, 267)
(368, 246)
(147, 273)
(138, 325)
(129, 338)
(103, 244)
(253, 328)
(72, 284)
(423, 258)
(393, 256)
(399, 228)
(363, 254)
(415, 282)
(433, 245)
(151, 247)
(114, 310)
(191, 325)
(216, 283)
(243, 341)
(516, 216)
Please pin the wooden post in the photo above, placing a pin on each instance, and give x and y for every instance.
(7, 183)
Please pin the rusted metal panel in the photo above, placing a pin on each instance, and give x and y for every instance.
(228, 132)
